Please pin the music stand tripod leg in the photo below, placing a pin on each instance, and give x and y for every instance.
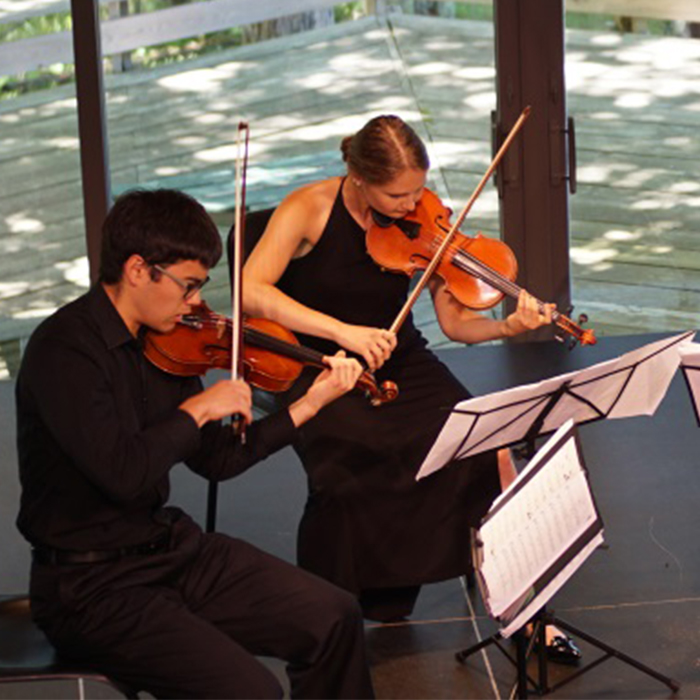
(524, 645)
(464, 654)
(610, 652)
(522, 652)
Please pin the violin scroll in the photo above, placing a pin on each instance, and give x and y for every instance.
(576, 332)
(378, 394)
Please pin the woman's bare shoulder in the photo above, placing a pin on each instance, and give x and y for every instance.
(310, 206)
(314, 197)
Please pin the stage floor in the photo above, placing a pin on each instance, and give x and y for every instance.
(640, 592)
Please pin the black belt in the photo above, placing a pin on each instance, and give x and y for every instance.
(56, 557)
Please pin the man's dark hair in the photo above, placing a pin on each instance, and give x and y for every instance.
(162, 226)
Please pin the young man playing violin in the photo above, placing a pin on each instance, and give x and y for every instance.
(119, 580)
(368, 526)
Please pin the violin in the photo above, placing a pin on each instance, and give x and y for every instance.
(409, 244)
(272, 356)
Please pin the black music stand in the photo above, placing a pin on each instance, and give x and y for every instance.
(531, 606)
(631, 385)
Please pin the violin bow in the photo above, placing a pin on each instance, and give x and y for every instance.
(242, 140)
(428, 272)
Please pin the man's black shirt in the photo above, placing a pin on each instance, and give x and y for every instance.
(99, 428)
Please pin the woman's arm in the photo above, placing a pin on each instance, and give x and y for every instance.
(295, 227)
(466, 326)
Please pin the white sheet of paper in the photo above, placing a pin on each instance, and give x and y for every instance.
(546, 594)
(631, 385)
(529, 532)
(690, 361)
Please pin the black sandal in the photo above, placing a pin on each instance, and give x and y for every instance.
(561, 649)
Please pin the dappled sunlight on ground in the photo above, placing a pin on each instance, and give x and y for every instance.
(66, 142)
(12, 289)
(431, 68)
(592, 255)
(168, 171)
(605, 39)
(654, 202)
(76, 271)
(636, 101)
(39, 312)
(485, 74)
(639, 100)
(615, 235)
(220, 154)
(203, 80)
(22, 222)
(482, 102)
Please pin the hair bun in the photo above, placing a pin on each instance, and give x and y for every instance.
(345, 146)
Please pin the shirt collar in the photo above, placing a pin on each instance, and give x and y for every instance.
(112, 327)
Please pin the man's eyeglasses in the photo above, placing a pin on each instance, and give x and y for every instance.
(189, 288)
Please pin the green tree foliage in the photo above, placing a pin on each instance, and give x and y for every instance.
(146, 57)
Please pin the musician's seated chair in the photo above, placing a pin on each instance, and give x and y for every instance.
(27, 656)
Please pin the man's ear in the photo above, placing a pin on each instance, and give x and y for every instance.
(136, 271)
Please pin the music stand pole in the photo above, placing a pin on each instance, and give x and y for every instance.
(528, 449)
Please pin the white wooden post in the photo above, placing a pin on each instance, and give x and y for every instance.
(120, 62)
(375, 7)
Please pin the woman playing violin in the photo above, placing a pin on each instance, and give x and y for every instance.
(368, 525)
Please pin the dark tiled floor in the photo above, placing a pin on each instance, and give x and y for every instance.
(639, 593)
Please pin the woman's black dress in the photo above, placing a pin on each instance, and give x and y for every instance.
(367, 523)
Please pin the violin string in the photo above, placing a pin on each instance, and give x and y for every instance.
(497, 280)
(268, 342)
(479, 269)
(299, 352)
(264, 340)
(472, 265)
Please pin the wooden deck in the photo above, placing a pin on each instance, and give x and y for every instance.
(636, 100)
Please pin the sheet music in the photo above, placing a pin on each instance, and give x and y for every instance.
(541, 599)
(538, 531)
(690, 363)
(630, 385)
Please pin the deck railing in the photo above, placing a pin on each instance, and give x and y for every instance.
(679, 10)
(124, 34)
